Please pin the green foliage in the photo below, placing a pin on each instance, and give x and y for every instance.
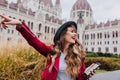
(22, 62)
(107, 63)
(100, 54)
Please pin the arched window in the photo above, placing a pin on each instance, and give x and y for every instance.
(107, 49)
(94, 36)
(45, 29)
(97, 35)
(100, 35)
(39, 28)
(91, 36)
(54, 31)
(87, 14)
(20, 20)
(9, 16)
(105, 35)
(108, 35)
(9, 39)
(48, 29)
(24, 21)
(51, 30)
(31, 25)
(116, 34)
(113, 34)
(92, 49)
(28, 23)
(46, 16)
(12, 31)
(8, 31)
(108, 42)
(99, 49)
(87, 36)
(115, 49)
(14, 18)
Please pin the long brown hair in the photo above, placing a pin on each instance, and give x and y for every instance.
(74, 56)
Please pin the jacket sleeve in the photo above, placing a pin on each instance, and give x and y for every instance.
(82, 76)
(33, 40)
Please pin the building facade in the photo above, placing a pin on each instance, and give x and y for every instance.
(46, 18)
(102, 37)
(43, 21)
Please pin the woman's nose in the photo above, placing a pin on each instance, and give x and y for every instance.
(75, 34)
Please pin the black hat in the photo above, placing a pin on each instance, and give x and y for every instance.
(62, 28)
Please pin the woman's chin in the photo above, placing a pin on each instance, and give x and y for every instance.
(72, 42)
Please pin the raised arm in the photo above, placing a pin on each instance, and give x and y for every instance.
(33, 40)
(27, 34)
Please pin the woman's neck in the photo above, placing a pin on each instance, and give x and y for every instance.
(65, 50)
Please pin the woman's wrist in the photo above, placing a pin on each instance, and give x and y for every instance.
(19, 24)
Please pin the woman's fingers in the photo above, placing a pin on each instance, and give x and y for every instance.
(11, 22)
(1, 21)
(4, 17)
(92, 73)
(3, 26)
(8, 21)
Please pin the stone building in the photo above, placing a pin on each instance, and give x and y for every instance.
(43, 21)
(102, 37)
(46, 18)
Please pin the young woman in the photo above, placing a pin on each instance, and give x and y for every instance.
(65, 59)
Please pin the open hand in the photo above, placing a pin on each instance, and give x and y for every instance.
(8, 21)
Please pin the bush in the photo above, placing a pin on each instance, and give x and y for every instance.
(100, 54)
(108, 64)
(22, 62)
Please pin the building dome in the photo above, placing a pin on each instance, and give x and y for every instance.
(81, 4)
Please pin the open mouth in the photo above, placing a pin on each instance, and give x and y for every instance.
(74, 37)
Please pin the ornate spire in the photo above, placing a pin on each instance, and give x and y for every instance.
(57, 2)
(46, 2)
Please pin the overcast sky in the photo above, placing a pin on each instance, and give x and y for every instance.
(103, 10)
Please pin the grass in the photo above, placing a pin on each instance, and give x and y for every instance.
(100, 71)
(22, 62)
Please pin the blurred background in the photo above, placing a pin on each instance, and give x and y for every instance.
(101, 39)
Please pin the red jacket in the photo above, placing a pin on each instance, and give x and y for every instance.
(44, 50)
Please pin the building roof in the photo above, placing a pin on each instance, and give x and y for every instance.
(30, 12)
(81, 4)
(13, 6)
(57, 2)
(3, 3)
(48, 2)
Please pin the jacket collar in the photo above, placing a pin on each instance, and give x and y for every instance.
(56, 65)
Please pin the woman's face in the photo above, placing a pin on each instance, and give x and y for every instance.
(71, 35)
